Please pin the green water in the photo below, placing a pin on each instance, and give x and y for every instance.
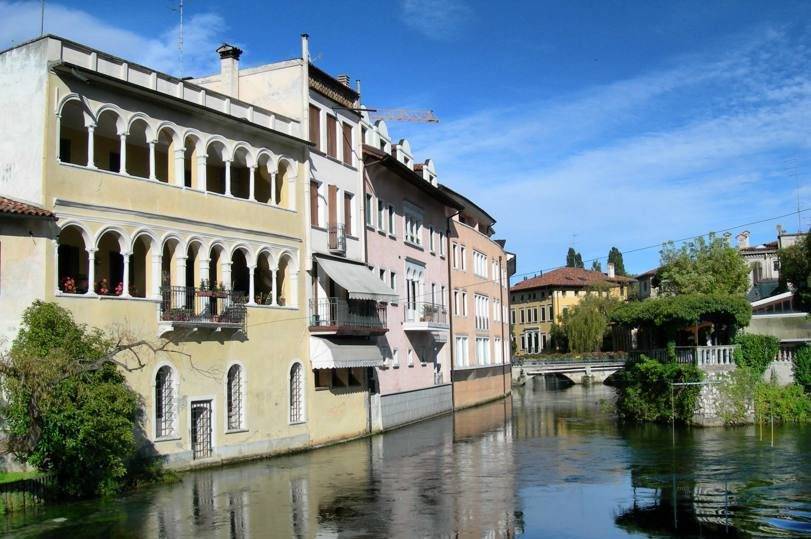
(551, 462)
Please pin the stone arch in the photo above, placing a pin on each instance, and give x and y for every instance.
(171, 249)
(167, 142)
(263, 277)
(144, 279)
(295, 395)
(216, 155)
(110, 125)
(285, 194)
(194, 157)
(73, 261)
(74, 118)
(241, 163)
(263, 181)
(166, 393)
(139, 138)
(240, 272)
(112, 262)
(286, 279)
(235, 396)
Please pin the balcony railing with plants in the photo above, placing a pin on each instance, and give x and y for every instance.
(335, 315)
(207, 305)
(428, 313)
(337, 238)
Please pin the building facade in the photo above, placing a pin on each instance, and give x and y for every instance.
(539, 302)
(480, 269)
(406, 234)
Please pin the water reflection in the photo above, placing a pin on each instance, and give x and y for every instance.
(551, 462)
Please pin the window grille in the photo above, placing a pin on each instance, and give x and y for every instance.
(296, 394)
(164, 403)
(234, 397)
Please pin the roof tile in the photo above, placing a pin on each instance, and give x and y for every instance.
(14, 207)
(570, 277)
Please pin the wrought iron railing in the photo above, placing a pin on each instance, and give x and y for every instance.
(337, 238)
(187, 305)
(338, 313)
(431, 313)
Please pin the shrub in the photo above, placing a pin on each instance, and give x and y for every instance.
(786, 404)
(644, 392)
(736, 395)
(756, 351)
(802, 367)
(68, 412)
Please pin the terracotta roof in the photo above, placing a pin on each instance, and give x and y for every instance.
(570, 277)
(772, 245)
(649, 273)
(15, 208)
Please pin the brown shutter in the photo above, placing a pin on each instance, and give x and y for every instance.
(348, 214)
(315, 126)
(347, 129)
(333, 205)
(332, 147)
(314, 203)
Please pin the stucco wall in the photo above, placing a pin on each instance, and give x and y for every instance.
(475, 386)
(409, 406)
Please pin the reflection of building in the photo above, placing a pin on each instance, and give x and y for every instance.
(480, 269)
(539, 302)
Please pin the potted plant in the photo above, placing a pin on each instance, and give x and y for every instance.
(102, 287)
(429, 312)
(68, 285)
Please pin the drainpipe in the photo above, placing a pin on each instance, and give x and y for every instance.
(450, 295)
(501, 317)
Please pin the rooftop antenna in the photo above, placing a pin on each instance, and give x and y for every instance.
(42, 17)
(793, 165)
(180, 35)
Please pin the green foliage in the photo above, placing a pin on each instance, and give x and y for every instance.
(615, 257)
(596, 266)
(795, 268)
(573, 259)
(68, 411)
(802, 367)
(558, 338)
(645, 389)
(756, 351)
(586, 324)
(736, 395)
(702, 266)
(785, 404)
(679, 311)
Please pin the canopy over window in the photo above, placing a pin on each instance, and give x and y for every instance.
(344, 353)
(358, 280)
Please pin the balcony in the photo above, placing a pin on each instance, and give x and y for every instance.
(337, 239)
(420, 316)
(717, 356)
(334, 316)
(187, 306)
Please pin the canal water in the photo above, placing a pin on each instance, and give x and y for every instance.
(550, 462)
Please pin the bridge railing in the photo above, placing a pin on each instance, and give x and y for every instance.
(701, 356)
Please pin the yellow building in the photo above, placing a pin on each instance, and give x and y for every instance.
(149, 204)
(537, 303)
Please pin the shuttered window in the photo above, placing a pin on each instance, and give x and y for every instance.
(332, 146)
(348, 202)
(314, 203)
(333, 205)
(315, 126)
(347, 138)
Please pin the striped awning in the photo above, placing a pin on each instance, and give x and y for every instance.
(344, 353)
(358, 280)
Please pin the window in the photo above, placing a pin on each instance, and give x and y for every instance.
(483, 350)
(441, 244)
(410, 357)
(498, 351)
(512, 316)
(482, 311)
(543, 314)
(479, 264)
(462, 352)
(431, 238)
(296, 394)
(391, 220)
(369, 209)
(463, 257)
(413, 228)
(164, 402)
(776, 265)
(455, 256)
(347, 140)
(442, 297)
(457, 307)
(349, 213)
(522, 315)
(315, 126)
(464, 303)
(534, 314)
(382, 275)
(381, 208)
(332, 127)
(496, 310)
(395, 357)
(313, 203)
(393, 281)
(234, 397)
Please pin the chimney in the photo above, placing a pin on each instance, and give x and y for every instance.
(779, 230)
(611, 270)
(229, 69)
(305, 47)
(742, 240)
(343, 78)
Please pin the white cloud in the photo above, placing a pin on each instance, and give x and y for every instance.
(20, 21)
(437, 19)
(681, 150)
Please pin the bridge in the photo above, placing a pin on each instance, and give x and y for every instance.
(579, 371)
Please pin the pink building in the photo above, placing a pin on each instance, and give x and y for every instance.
(406, 220)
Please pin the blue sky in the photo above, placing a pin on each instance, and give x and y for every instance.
(590, 124)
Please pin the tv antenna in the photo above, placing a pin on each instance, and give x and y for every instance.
(180, 35)
(42, 18)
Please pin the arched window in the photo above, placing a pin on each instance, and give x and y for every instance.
(73, 261)
(240, 174)
(296, 394)
(138, 149)
(72, 134)
(164, 402)
(282, 179)
(285, 287)
(234, 397)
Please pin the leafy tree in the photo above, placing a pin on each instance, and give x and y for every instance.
(573, 259)
(578, 261)
(703, 267)
(795, 268)
(68, 410)
(756, 351)
(802, 367)
(596, 266)
(558, 338)
(615, 257)
(644, 391)
(587, 323)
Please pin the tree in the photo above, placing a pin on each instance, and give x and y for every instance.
(596, 266)
(703, 267)
(578, 261)
(68, 409)
(795, 268)
(615, 257)
(586, 324)
(573, 259)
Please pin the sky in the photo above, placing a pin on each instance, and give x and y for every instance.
(585, 124)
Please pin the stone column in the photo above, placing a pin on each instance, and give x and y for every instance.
(204, 275)
(180, 167)
(273, 198)
(125, 290)
(274, 293)
(157, 277)
(152, 160)
(91, 272)
(228, 178)
(90, 160)
(251, 183)
(122, 153)
(180, 272)
(251, 284)
(226, 274)
(201, 173)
